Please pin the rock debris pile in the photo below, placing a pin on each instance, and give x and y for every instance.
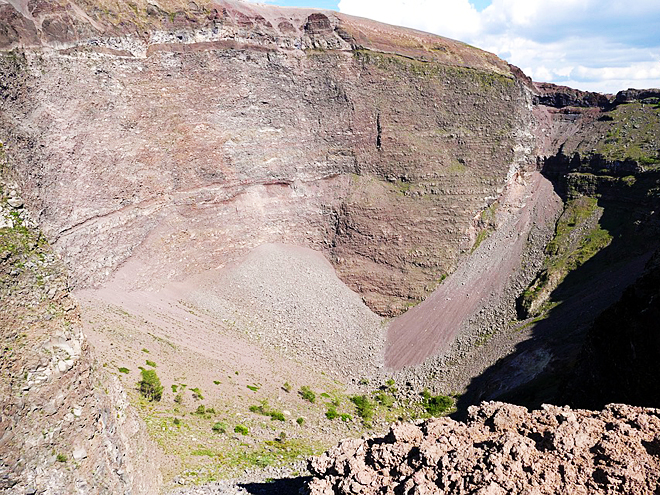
(501, 449)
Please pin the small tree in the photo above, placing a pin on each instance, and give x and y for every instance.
(150, 386)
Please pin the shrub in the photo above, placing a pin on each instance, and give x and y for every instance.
(174, 388)
(331, 413)
(287, 387)
(219, 427)
(197, 393)
(346, 417)
(243, 430)
(124, 370)
(276, 415)
(217, 382)
(307, 394)
(145, 350)
(265, 410)
(61, 458)
(300, 421)
(178, 398)
(150, 386)
(177, 421)
(151, 363)
(201, 410)
(436, 405)
(364, 406)
(254, 387)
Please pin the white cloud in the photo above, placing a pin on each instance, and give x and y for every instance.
(599, 45)
(454, 19)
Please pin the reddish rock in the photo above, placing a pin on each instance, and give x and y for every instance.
(503, 449)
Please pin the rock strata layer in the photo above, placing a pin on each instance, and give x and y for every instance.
(502, 449)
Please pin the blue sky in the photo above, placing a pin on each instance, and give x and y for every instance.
(334, 4)
(597, 45)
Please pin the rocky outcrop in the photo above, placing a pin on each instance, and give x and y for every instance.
(502, 449)
(555, 96)
(65, 425)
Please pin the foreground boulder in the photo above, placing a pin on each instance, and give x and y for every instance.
(502, 449)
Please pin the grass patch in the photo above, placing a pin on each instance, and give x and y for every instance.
(242, 429)
(265, 410)
(307, 394)
(219, 427)
(202, 450)
(436, 405)
(363, 406)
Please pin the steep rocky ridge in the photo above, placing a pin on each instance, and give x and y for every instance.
(603, 162)
(66, 425)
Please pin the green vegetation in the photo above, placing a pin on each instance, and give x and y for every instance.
(287, 387)
(633, 131)
(265, 410)
(150, 386)
(436, 405)
(307, 394)
(331, 413)
(219, 427)
(174, 388)
(202, 450)
(145, 350)
(578, 237)
(384, 399)
(217, 382)
(254, 387)
(124, 370)
(197, 393)
(300, 421)
(61, 458)
(364, 407)
(242, 429)
(151, 363)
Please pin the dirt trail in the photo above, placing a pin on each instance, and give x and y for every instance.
(430, 328)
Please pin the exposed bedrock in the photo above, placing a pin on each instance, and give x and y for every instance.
(187, 155)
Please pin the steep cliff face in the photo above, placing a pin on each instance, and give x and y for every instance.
(601, 155)
(252, 125)
(66, 425)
